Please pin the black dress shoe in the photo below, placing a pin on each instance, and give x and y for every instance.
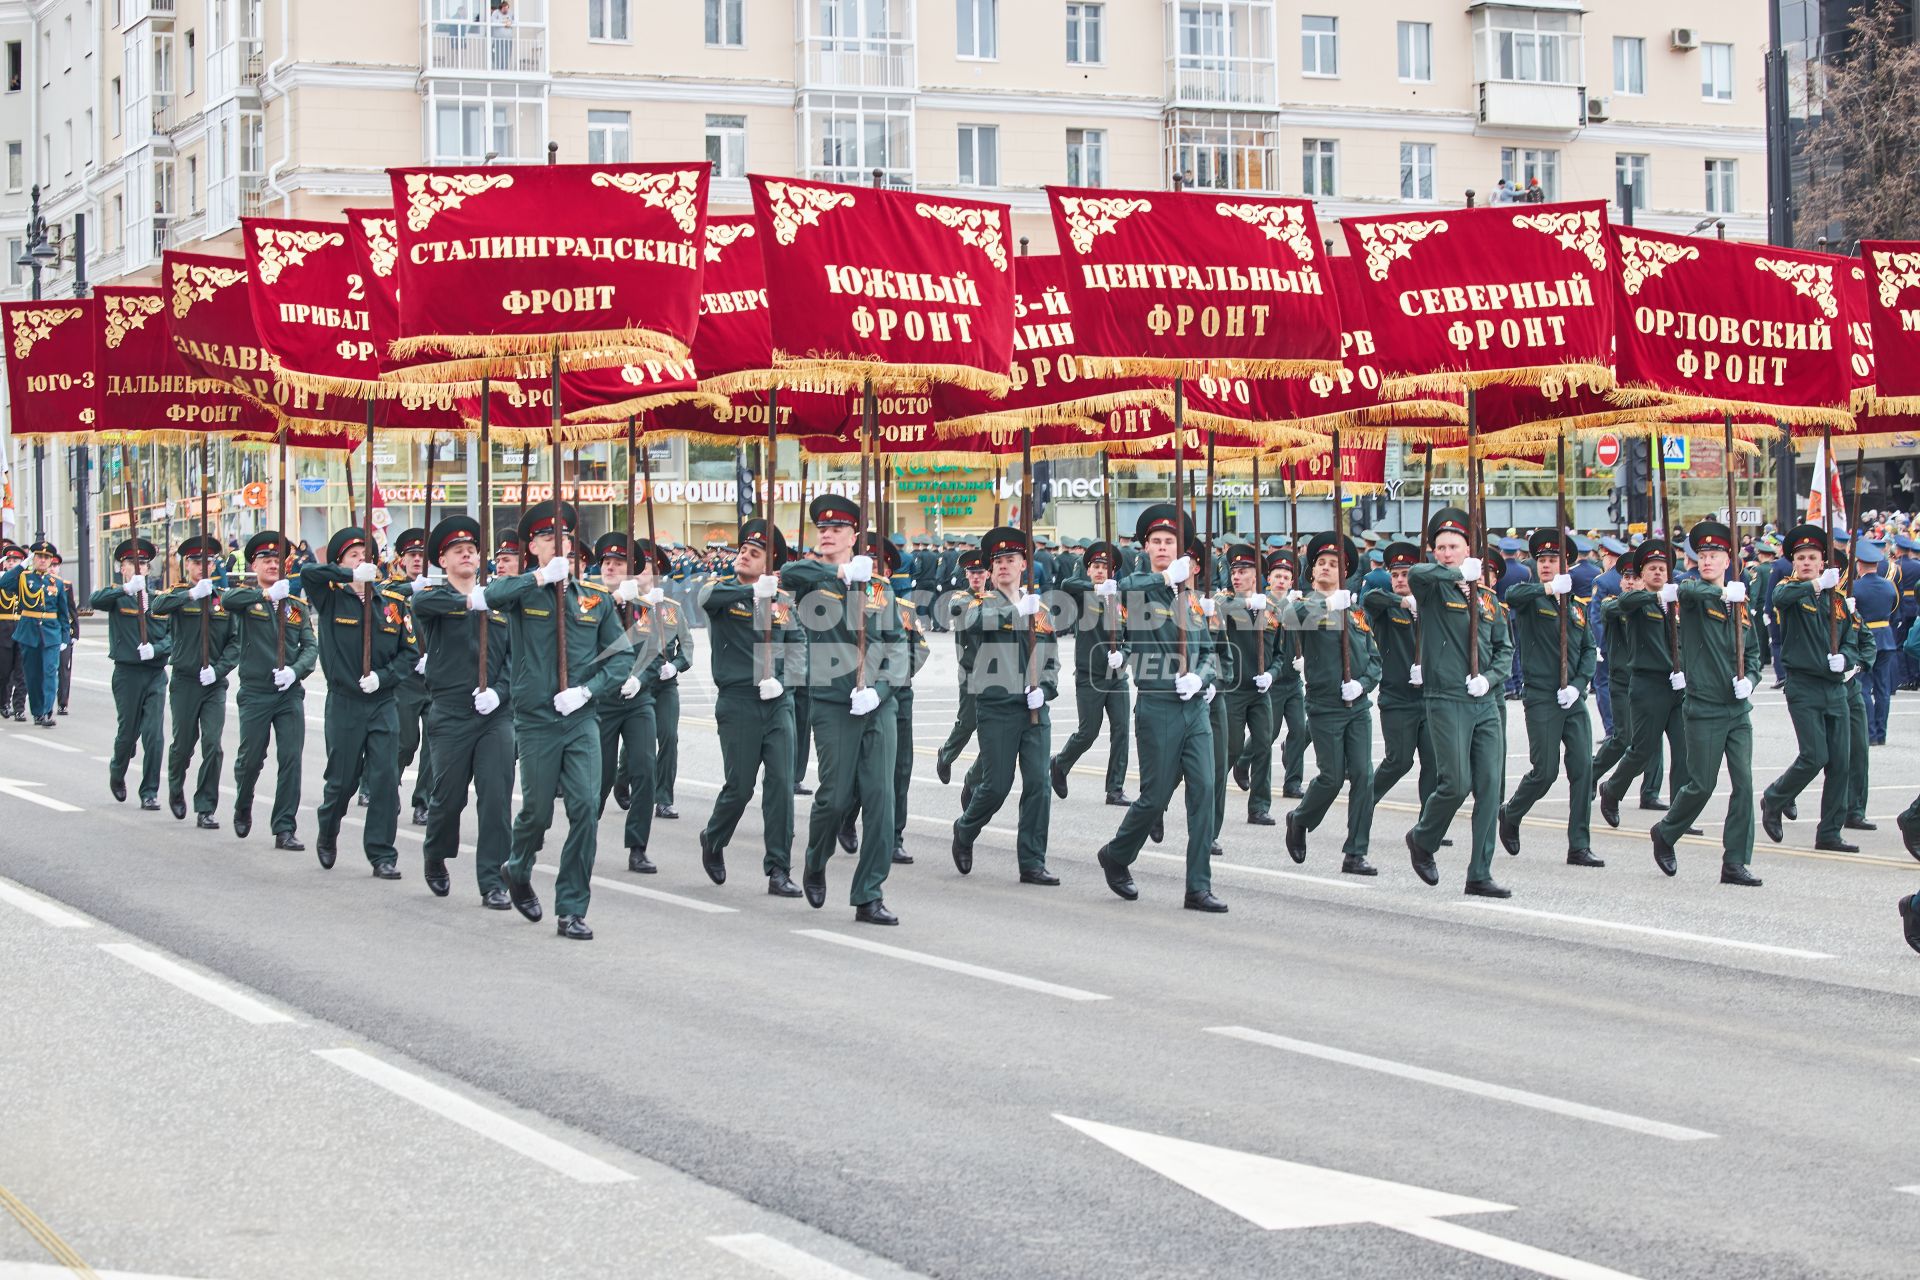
(1663, 853)
(495, 900)
(1583, 858)
(802, 789)
(1356, 864)
(524, 899)
(385, 871)
(1038, 875)
(118, 786)
(1119, 879)
(1654, 806)
(573, 929)
(177, 804)
(363, 800)
(1260, 818)
(874, 912)
(290, 842)
(901, 858)
(150, 803)
(1296, 836)
(815, 883)
(623, 794)
(1910, 921)
(1693, 831)
(1770, 820)
(962, 852)
(1293, 791)
(1732, 874)
(1446, 842)
(1487, 889)
(1609, 809)
(419, 815)
(942, 769)
(1509, 832)
(848, 837)
(1204, 901)
(206, 822)
(1243, 775)
(242, 822)
(1118, 798)
(436, 877)
(1215, 851)
(1910, 834)
(327, 848)
(640, 864)
(781, 885)
(1058, 776)
(1158, 831)
(665, 811)
(1792, 809)
(1860, 824)
(63, 710)
(1836, 846)
(1422, 862)
(713, 859)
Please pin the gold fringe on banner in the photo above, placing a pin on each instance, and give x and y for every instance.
(569, 433)
(850, 373)
(1642, 397)
(1641, 420)
(1164, 367)
(1451, 456)
(1084, 413)
(1596, 373)
(468, 359)
(633, 408)
(1324, 488)
(747, 381)
(1124, 450)
(383, 388)
(1867, 402)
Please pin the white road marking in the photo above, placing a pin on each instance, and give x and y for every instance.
(61, 747)
(953, 966)
(1676, 934)
(1511, 1252)
(1464, 1084)
(19, 789)
(490, 1124)
(52, 1271)
(1221, 864)
(35, 905)
(1912, 1191)
(620, 886)
(241, 1006)
(780, 1257)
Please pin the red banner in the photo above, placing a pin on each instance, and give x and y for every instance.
(147, 388)
(734, 347)
(902, 288)
(51, 381)
(1715, 324)
(1893, 313)
(1467, 297)
(1363, 468)
(414, 407)
(310, 306)
(595, 402)
(1173, 283)
(745, 414)
(516, 260)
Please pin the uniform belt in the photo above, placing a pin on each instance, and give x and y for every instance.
(1884, 622)
(38, 616)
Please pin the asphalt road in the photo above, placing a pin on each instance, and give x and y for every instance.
(1624, 1074)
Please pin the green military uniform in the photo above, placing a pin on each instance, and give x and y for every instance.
(560, 755)
(473, 748)
(1622, 640)
(1254, 632)
(1656, 706)
(1006, 676)
(197, 693)
(1403, 704)
(1100, 692)
(1540, 611)
(139, 675)
(1228, 676)
(1287, 698)
(917, 654)
(676, 641)
(629, 730)
(966, 718)
(1466, 727)
(269, 635)
(1818, 700)
(413, 698)
(1857, 643)
(1719, 646)
(362, 725)
(1339, 718)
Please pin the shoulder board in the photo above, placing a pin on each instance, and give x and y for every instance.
(395, 596)
(591, 585)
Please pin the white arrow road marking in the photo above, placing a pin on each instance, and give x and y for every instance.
(781, 1258)
(1279, 1195)
(17, 788)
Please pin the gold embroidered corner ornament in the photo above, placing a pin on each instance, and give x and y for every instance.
(678, 192)
(125, 314)
(1284, 223)
(30, 327)
(1090, 218)
(1644, 260)
(432, 193)
(194, 282)
(1809, 280)
(1579, 231)
(1897, 272)
(977, 227)
(280, 248)
(1388, 242)
(383, 244)
(722, 234)
(796, 207)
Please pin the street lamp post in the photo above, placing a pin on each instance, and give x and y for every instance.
(40, 255)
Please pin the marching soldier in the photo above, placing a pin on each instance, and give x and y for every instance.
(365, 634)
(197, 694)
(11, 558)
(554, 725)
(42, 629)
(887, 552)
(1016, 669)
(1658, 683)
(750, 624)
(1289, 705)
(273, 648)
(1338, 713)
(1857, 642)
(676, 643)
(1099, 672)
(1557, 719)
(629, 732)
(507, 554)
(139, 646)
(1227, 677)
(69, 632)
(966, 720)
(1617, 648)
(1811, 613)
(1403, 704)
(412, 698)
(1877, 602)
(1718, 643)
(1464, 707)
(469, 718)
(1173, 664)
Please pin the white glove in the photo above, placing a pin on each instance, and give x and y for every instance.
(856, 571)
(486, 701)
(1470, 570)
(1036, 698)
(1414, 677)
(420, 667)
(1836, 663)
(1339, 601)
(1179, 571)
(1294, 596)
(1300, 662)
(366, 571)
(630, 687)
(1677, 680)
(1207, 697)
(1107, 588)
(1828, 579)
(1567, 696)
(1028, 604)
(207, 677)
(477, 601)
(1560, 585)
(628, 591)
(135, 585)
(1670, 594)
(771, 689)
(668, 672)
(554, 570)
(1263, 681)
(1848, 677)
(279, 591)
(201, 589)
(1350, 691)
(1853, 606)
(1256, 602)
(1735, 592)
(282, 677)
(654, 596)
(766, 587)
(1115, 659)
(1186, 684)
(422, 582)
(146, 652)
(1206, 606)
(1477, 686)
(568, 701)
(1742, 688)
(863, 702)
(370, 682)
(1410, 603)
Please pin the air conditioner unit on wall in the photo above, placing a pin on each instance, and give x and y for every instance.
(1597, 110)
(1685, 38)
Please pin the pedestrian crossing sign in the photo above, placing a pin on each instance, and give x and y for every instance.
(1675, 455)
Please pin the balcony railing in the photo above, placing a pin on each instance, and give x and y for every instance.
(486, 47)
(1222, 83)
(1509, 104)
(857, 64)
(183, 231)
(893, 179)
(166, 112)
(253, 197)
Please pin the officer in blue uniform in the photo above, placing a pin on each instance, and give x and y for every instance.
(1602, 586)
(1906, 576)
(45, 622)
(1877, 601)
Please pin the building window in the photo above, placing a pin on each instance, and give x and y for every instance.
(1084, 24)
(979, 28)
(16, 69)
(850, 135)
(1523, 166)
(1630, 182)
(1225, 150)
(1716, 72)
(726, 23)
(1526, 46)
(1319, 167)
(727, 146)
(253, 143)
(609, 137)
(119, 222)
(1319, 46)
(607, 20)
(193, 184)
(116, 103)
(16, 167)
(1086, 157)
(1416, 51)
(67, 129)
(163, 188)
(190, 71)
(1629, 65)
(1723, 186)
(1416, 171)
(16, 274)
(979, 155)
(87, 135)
